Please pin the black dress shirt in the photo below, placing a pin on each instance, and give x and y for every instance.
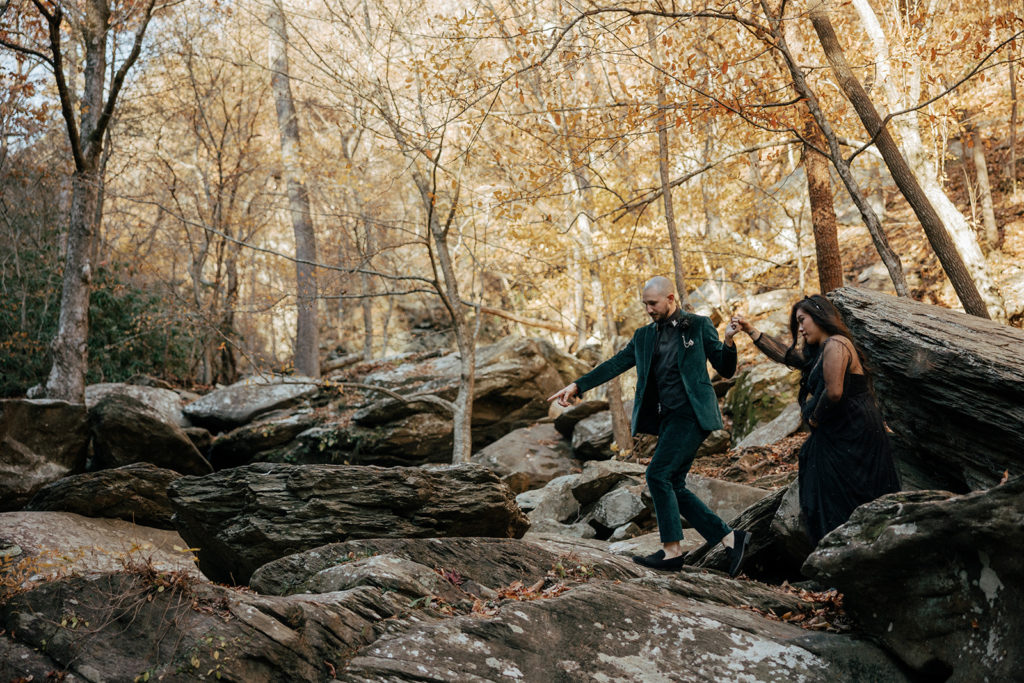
(672, 397)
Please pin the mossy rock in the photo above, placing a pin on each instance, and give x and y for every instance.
(760, 394)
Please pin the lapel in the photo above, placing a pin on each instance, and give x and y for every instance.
(650, 337)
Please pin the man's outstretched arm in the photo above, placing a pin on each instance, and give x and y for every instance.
(613, 367)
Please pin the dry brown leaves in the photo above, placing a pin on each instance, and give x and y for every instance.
(827, 613)
(566, 573)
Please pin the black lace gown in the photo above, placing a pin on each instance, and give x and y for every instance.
(846, 461)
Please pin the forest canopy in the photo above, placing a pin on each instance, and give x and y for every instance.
(200, 190)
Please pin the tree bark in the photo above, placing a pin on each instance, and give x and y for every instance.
(307, 348)
(934, 229)
(666, 188)
(988, 215)
(1011, 166)
(823, 213)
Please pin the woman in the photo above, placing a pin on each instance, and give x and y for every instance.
(846, 460)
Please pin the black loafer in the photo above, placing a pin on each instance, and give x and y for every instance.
(737, 553)
(657, 561)
(645, 560)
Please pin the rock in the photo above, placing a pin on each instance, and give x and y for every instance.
(592, 633)
(717, 442)
(766, 559)
(936, 578)
(726, 499)
(413, 439)
(619, 508)
(554, 502)
(528, 458)
(127, 431)
(592, 437)
(235, 405)
(55, 544)
(567, 419)
(243, 518)
(766, 433)
(648, 543)
(600, 476)
(243, 445)
(569, 367)
(550, 527)
(135, 493)
(625, 532)
(200, 438)
(950, 385)
(133, 625)
(164, 401)
(489, 562)
(41, 440)
(760, 394)
(788, 526)
(513, 379)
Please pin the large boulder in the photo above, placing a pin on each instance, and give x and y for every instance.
(951, 388)
(601, 476)
(766, 433)
(566, 419)
(513, 379)
(245, 517)
(164, 401)
(936, 578)
(127, 431)
(52, 544)
(725, 498)
(593, 633)
(528, 458)
(135, 493)
(759, 395)
(592, 437)
(553, 502)
(252, 441)
(233, 406)
(41, 440)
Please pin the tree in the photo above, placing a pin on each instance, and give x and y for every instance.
(307, 348)
(99, 24)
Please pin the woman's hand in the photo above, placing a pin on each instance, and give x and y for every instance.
(741, 323)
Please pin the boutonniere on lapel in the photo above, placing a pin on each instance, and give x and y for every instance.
(683, 326)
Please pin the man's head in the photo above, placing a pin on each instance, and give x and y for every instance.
(659, 298)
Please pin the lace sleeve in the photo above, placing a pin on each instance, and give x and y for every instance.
(777, 351)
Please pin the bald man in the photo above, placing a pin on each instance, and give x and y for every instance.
(674, 400)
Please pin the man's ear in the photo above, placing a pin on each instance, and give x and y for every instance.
(671, 296)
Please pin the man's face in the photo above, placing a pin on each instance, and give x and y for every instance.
(659, 306)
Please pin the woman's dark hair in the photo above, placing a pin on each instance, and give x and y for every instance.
(827, 317)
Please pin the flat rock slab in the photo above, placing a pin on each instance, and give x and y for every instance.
(242, 518)
(63, 542)
(767, 433)
(632, 632)
(528, 458)
(135, 493)
(951, 387)
(41, 440)
(235, 405)
(937, 578)
(164, 401)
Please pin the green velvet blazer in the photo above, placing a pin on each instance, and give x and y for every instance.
(698, 344)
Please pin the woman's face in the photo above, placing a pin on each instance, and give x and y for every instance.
(808, 329)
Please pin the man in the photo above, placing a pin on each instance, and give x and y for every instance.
(675, 400)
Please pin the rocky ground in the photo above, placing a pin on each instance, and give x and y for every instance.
(286, 529)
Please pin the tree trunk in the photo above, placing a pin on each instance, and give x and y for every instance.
(889, 258)
(307, 348)
(666, 186)
(1011, 165)
(823, 213)
(367, 286)
(925, 169)
(70, 345)
(972, 141)
(940, 240)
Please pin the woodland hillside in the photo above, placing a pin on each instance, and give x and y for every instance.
(200, 191)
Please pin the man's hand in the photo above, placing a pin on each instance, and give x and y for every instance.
(565, 396)
(730, 331)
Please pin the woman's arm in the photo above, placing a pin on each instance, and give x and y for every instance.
(769, 345)
(834, 361)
